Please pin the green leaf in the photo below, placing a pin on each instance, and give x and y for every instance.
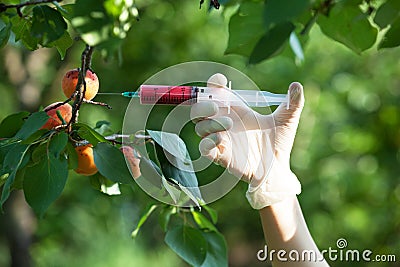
(16, 158)
(47, 24)
(3, 178)
(212, 212)
(12, 123)
(387, 13)
(351, 27)
(65, 10)
(165, 216)
(111, 164)
(39, 152)
(5, 34)
(171, 142)
(193, 193)
(57, 144)
(151, 172)
(39, 134)
(189, 243)
(145, 215)
(180, 173)
(392, 36)
(62, 44)
(5, 146)
(22, 30)
(278, 11)
(86, 132)
(245, 28)
(216, 250)
(32, 124)
(271, 43)
(44, 182)
(104, 185)
(19, 179)
(72, 157)
(172, 190)
(203, 222)
(176, 165)
(103, 128)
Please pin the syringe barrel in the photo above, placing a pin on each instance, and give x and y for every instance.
(188, 95)
(251, 98)
(260, 98)
(167, 95)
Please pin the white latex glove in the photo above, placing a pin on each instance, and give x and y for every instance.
(252, 146)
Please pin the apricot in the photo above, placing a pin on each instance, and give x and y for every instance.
(70, 80)
(133, 162)
(86, 165)
(54, 120)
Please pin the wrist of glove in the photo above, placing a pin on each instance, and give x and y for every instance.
(279, 184)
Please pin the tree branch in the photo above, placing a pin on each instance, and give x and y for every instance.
(79, 96)
(213, 3)
(97, 103)
(4, 7)
(61, 103)
(86, 59)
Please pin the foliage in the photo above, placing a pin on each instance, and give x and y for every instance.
(262, 29)
(258, 29)
(41, 158)
(38, 161)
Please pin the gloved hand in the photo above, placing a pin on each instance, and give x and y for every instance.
(252, 146)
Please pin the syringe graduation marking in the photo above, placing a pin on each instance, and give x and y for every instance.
(150, 94)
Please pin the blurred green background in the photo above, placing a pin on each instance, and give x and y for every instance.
(346, 153)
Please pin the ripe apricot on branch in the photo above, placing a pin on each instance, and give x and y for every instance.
(70, 80)
(86, 164)
(65, 112)
(132, 161)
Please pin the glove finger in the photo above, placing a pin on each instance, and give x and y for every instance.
(215, 148)
(203, 110)
(296, 95)
(208, 126)
(217, 80)
(208, 143)
(284, 115)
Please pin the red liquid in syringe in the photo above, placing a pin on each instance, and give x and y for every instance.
(168, 95)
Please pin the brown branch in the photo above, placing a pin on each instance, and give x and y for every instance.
(85, 61)
(61, 103)
(97, 103)
(89, 53)
(4, 7)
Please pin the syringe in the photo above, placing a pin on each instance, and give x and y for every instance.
(188, 95)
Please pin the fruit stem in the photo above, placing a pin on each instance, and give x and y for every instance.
(60, 117)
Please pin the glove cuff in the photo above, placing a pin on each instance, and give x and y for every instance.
(276, 186)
